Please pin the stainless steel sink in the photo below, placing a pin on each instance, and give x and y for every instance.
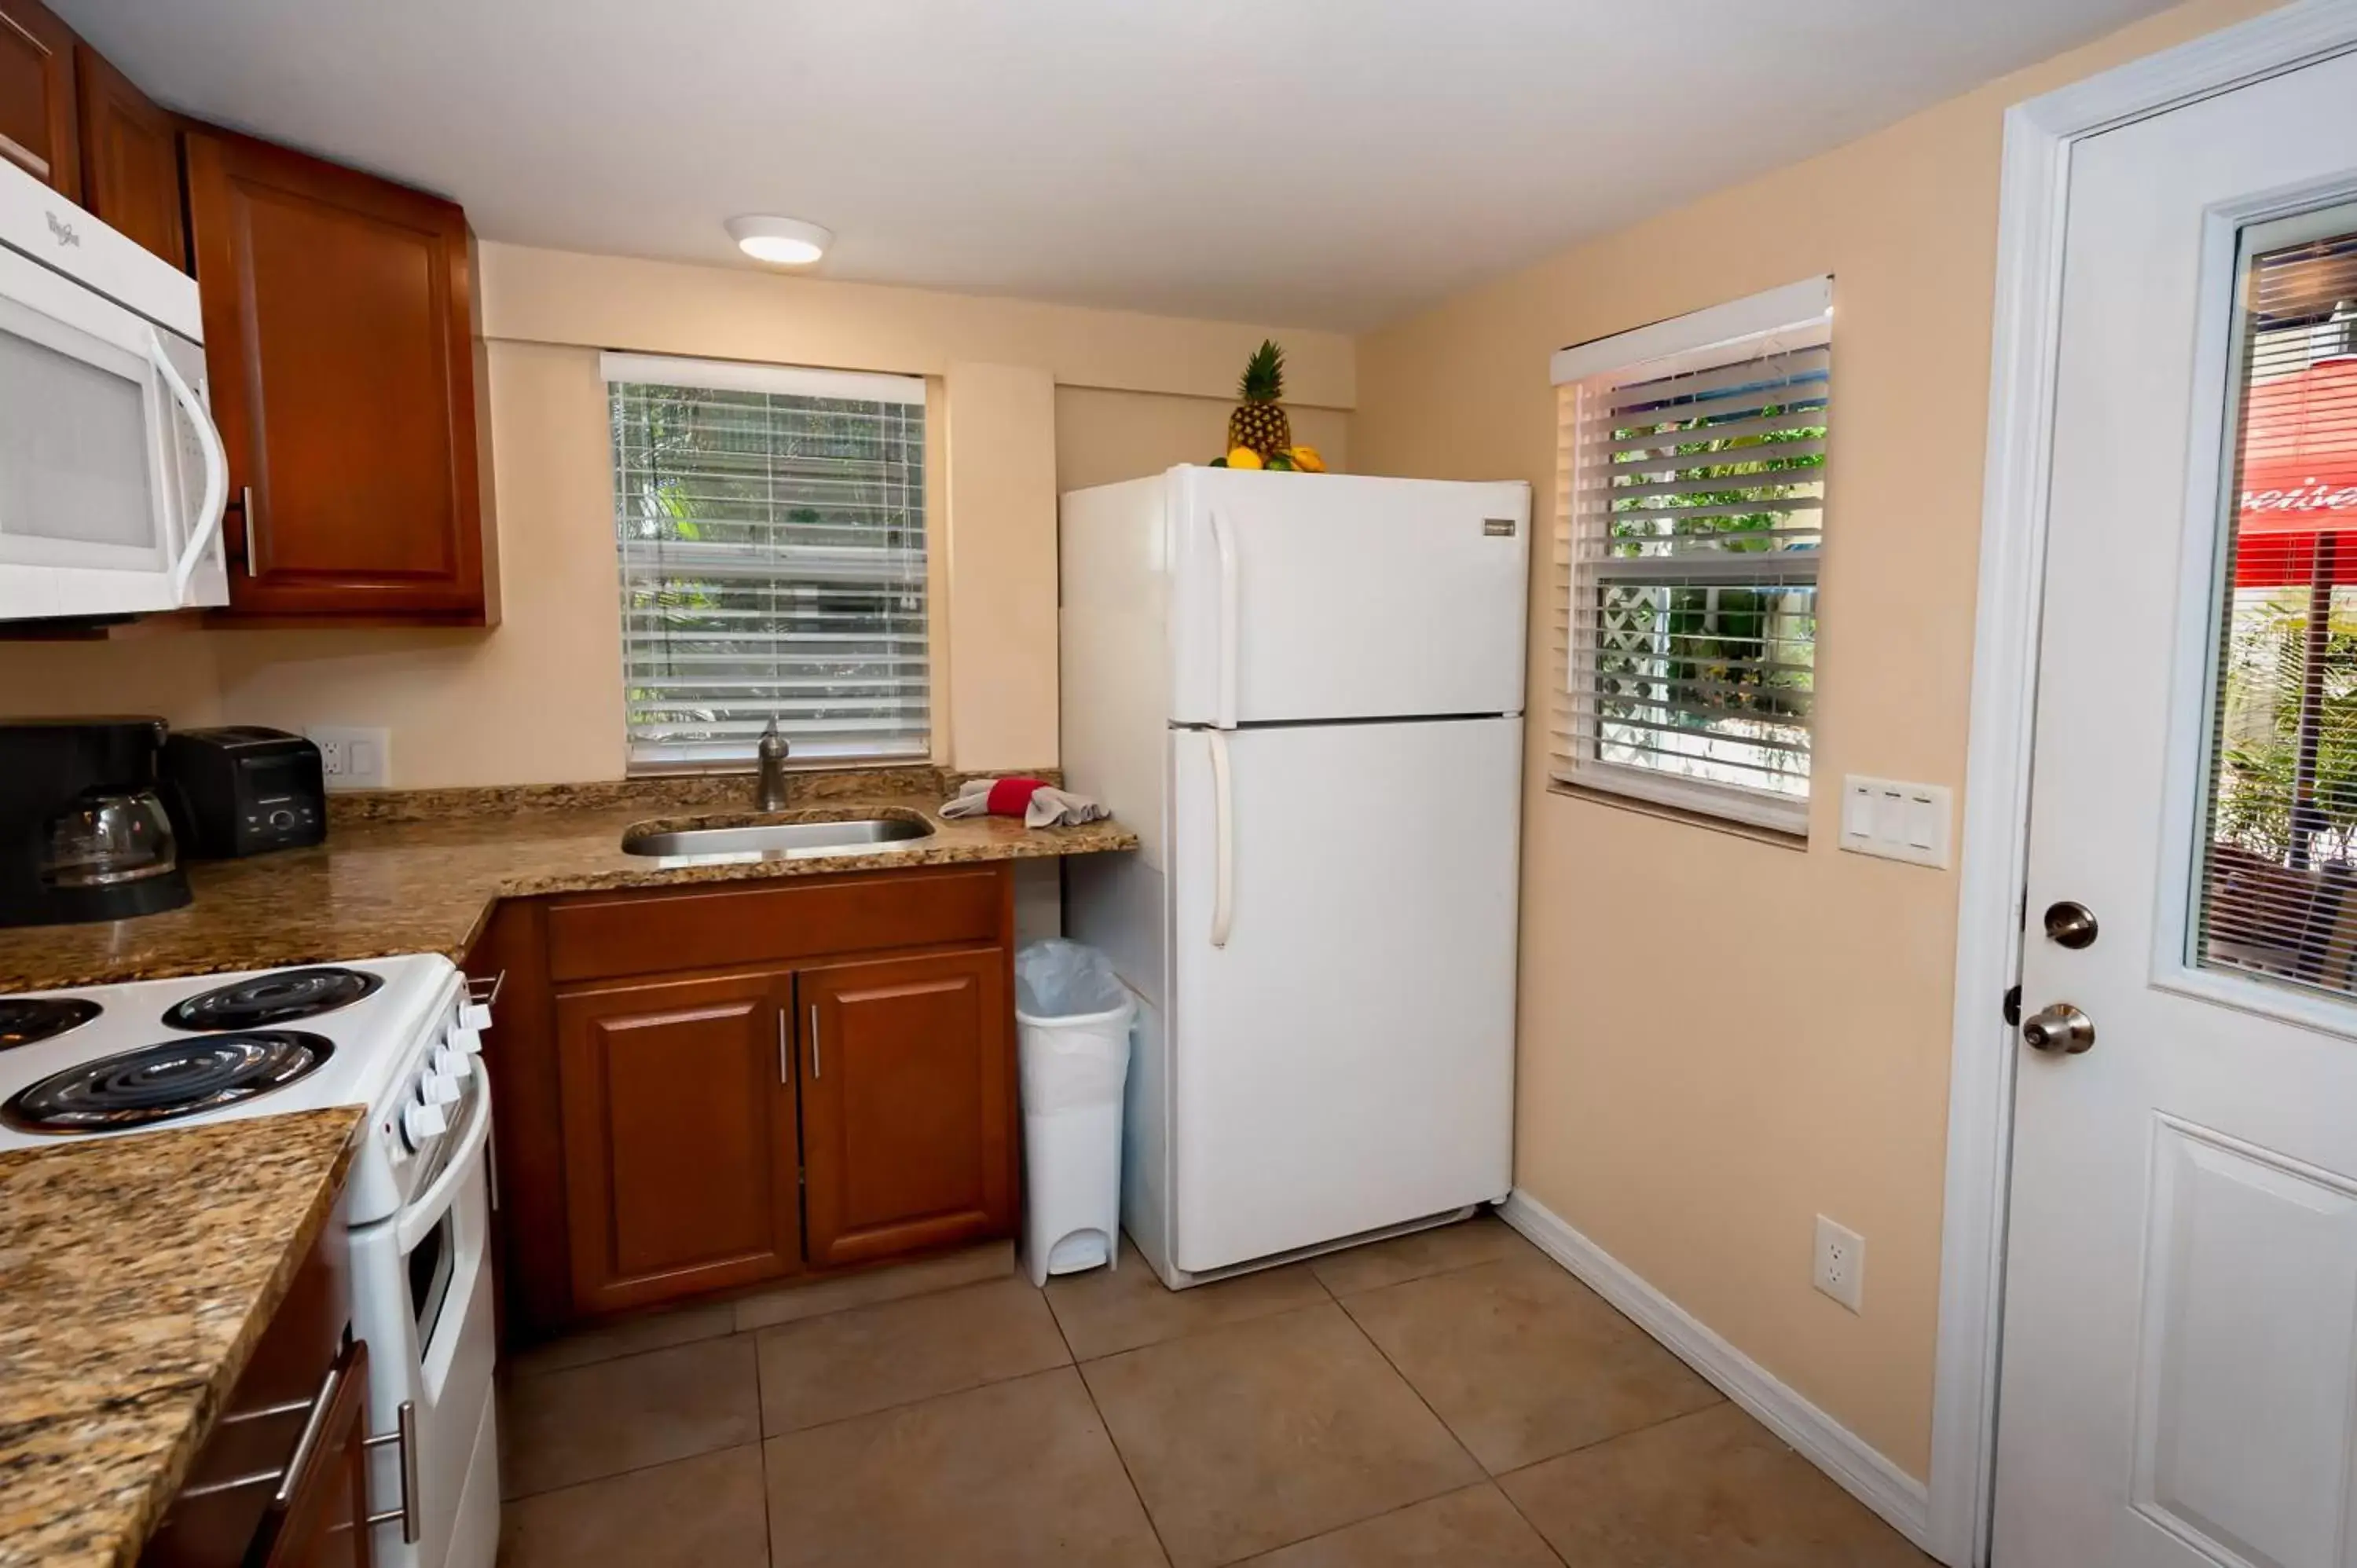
(778, 841)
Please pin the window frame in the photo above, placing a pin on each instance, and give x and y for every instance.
(620, 369)
(1792, 318)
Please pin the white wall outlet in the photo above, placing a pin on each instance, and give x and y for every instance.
(353, 759)
(1841, 1263)
(1896, 820)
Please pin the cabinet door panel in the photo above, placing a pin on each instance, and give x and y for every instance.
(338, 335)
(131, 158)
(908, 1097)
(325, 1521)
(36, 95)
(679, 1138)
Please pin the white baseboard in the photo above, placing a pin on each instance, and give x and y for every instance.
(1860, 1469)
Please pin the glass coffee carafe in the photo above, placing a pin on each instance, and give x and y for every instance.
(108, 837)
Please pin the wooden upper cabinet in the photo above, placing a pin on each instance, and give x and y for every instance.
(678, 1115)
(38, 128)
(131, 158)
(339, 337)
(908, 1104)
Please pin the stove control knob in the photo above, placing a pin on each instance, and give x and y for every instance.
(435, 1090)
(466, 1039)
(421, 1122)
(450, 1063)
(474, 1016)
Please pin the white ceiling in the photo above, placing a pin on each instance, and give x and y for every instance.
(1317, 163)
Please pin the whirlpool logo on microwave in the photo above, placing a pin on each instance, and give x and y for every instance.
(61, 231)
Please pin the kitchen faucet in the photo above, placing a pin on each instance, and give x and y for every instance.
(770, 787)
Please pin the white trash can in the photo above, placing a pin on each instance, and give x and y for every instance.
(1073, 1017)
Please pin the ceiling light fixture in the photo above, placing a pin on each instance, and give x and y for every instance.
(783, 241)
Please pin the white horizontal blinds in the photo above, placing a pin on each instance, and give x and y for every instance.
(771, 528)
(2278, 889)
(1694, 506)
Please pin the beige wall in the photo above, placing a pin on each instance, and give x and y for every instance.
(1722, 1038)
(540, 698)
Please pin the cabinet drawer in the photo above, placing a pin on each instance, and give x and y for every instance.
(601, 936)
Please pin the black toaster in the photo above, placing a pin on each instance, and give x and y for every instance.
(242, 790)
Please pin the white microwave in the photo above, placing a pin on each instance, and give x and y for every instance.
(112, 479)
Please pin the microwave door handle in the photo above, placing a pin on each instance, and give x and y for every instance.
(216, 501)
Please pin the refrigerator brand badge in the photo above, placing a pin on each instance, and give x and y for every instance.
(1497, 528)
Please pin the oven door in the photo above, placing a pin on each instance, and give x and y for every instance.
(113, 479)
(422, 1298)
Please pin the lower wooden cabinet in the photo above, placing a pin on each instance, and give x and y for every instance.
(269, 1488)
(701, 1091)
(324, 1522)
(679, 1137)
(908, 1107)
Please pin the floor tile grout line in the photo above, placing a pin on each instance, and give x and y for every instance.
(761, 1422)
(1486, 1480)
(1499, 1480)
(527, 1373)
(1409, 1383)
(1617, 1436)
(640, 1469)
(989, 1382)
(1122, 1459)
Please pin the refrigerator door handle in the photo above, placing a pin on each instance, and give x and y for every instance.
(1223, 832)
(1224, 710)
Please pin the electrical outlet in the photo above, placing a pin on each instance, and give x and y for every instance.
(1841, 1263)
(353, 759)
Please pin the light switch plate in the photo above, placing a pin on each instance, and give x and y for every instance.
(351, 757)
(1897, 820)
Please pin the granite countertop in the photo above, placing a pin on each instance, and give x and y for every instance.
(420, 871)
(136, 1275)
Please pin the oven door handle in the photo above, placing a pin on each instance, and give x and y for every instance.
(425, 1211)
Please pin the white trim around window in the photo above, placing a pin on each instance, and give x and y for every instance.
(1690, 515)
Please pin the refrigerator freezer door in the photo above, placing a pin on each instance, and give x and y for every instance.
(1345, 1060)
(1300, 597)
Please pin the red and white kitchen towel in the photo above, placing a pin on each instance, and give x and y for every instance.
(1038, 802)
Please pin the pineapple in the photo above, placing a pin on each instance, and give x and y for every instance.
(1259, 420)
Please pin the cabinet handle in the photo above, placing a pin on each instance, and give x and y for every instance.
(814, 1072)
(285, 1482)
(785, 1064)
(245, 515)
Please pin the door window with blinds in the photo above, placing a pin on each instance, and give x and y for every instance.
(1690, 521)
(2279, 856)
(770, 522)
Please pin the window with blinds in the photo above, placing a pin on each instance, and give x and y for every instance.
(770, 522)
(1690, 527)
(2278, 858)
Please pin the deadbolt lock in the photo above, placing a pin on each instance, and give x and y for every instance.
(2069, 925)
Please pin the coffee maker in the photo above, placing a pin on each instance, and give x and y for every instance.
(82, 833)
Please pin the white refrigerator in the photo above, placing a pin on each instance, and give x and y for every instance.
(1304, 694)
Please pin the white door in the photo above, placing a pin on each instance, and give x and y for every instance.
(2179, 1376)
(1335, 596)
(1342, 1019)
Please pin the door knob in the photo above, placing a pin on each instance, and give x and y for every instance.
(2069, 925)
(2060, 1029)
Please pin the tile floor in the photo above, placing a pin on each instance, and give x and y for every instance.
(1447, 1398)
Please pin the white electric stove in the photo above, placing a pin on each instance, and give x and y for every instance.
(400, 1036)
